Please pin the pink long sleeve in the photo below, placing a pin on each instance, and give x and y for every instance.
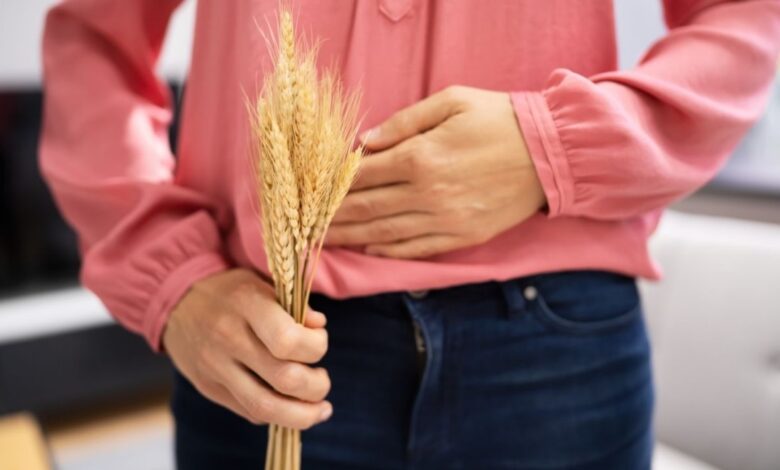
(620, 144)
(105, 154)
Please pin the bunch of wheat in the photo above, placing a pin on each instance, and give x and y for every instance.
(303, 128)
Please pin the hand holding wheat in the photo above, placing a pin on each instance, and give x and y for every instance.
(303, 128)
(229, 330)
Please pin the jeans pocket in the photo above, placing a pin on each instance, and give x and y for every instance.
(583, 302)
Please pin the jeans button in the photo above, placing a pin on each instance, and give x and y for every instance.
(418, 294)
(530, 293)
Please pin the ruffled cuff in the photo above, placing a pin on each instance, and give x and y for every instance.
(173, 288)
(545, 149)
(141, 281)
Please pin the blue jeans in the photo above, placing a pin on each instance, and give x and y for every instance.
(543, 372)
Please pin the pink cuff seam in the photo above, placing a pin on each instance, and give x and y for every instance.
(546, 150)
(173, 289)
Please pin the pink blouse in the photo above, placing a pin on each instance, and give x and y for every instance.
(612, 148)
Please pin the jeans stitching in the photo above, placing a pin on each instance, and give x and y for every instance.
(548, 316)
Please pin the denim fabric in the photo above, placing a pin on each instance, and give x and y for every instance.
(543, 372)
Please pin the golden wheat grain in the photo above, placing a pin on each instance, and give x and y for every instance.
(282, 113)
(343, 181)
(284, 201)
(263, 178)
(334, 138)
(284, 75)
(306, 161)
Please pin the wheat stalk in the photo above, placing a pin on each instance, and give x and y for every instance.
(303, 130)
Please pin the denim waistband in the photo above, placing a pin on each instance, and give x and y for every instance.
(512, 290)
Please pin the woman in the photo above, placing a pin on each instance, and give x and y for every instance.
(479, 279)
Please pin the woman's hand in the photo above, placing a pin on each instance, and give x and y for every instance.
(448, 172)
(240, 349)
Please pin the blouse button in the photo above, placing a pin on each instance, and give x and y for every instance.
(418, 294)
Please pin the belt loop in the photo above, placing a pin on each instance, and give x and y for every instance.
(513, 296)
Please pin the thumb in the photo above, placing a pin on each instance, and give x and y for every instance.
(415, 119)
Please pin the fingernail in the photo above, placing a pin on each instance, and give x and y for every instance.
(326, 413)
(368, 135)
(324, 317)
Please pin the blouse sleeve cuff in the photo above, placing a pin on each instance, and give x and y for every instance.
(173, 289)
(546, 150)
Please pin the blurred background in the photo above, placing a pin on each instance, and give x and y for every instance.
(78, 392)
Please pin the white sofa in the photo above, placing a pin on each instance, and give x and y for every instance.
(715, 327)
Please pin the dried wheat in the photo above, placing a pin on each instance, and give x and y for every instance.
(303, 127)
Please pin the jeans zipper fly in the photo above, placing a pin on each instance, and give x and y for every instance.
(419, 342)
